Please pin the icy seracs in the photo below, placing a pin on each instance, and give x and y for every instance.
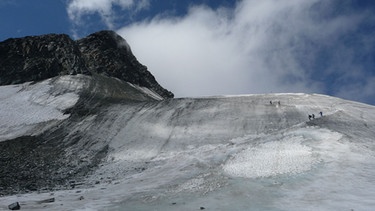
(220, 153)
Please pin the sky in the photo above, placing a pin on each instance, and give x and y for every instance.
(225, 47)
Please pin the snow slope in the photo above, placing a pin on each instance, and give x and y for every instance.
(25, 107)
(220, 153)
(30, 109)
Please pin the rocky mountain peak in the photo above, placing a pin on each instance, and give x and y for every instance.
(36, 58)
(106, 39)
(106, 52)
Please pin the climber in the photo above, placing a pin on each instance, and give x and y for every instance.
(313, 116)
(310, 117)
(321, 113)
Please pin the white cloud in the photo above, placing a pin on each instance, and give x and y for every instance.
(220, 52)
(258, 47)
(255, 47)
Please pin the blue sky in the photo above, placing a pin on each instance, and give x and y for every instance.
(224, 47)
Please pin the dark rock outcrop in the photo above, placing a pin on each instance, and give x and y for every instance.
(106, 52)
(14, 206)
(36, 58)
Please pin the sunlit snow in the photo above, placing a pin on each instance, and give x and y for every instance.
(272, 158)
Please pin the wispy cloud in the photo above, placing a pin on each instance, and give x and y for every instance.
(77, 9)
(260, 47)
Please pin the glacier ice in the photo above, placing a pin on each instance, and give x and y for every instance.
(221, 153)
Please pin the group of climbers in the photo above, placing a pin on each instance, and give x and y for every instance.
(312, 116)
(272, 103)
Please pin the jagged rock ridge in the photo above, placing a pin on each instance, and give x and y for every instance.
(36, 58)
(108, 53)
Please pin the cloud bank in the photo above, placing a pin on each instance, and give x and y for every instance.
(260, 47)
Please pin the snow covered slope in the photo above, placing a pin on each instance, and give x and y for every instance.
(218, 153)
(30, 109)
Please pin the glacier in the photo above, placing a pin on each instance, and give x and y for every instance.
(212, 153)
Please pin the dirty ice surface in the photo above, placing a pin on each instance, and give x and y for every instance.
(228, 153)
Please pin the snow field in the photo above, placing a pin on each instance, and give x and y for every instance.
(286, 156)
(342, 181)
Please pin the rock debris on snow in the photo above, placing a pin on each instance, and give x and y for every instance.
(14, 206)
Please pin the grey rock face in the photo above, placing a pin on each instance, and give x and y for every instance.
(106, 52)
(36, 58)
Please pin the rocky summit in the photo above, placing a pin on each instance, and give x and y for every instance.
(35, 58)
(108, 53)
